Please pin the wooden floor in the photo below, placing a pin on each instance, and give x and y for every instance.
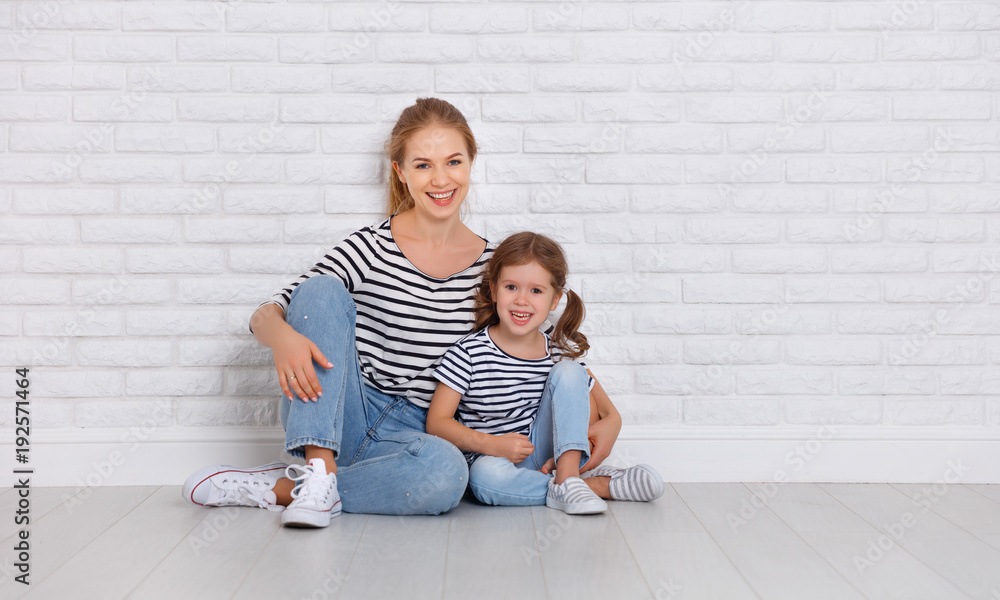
(704, 541)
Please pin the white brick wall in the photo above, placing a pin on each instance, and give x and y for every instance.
(780, 213)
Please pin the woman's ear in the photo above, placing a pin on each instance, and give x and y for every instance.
(399, 174)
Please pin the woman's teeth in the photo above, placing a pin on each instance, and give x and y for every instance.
(441, 197)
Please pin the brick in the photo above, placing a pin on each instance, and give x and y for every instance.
(708, 411)
(78, 139)
(222, 172)
(641, 287)
(230, 290)
(733, 109)
(825, 230)
(527, 49)
(731, 352)
(605, 259)
(835, 410)
(731, 290)
(228, 48)
(276, 18)
(227, 412)
(872, 201)
(9, 262)
(695, 17)
(643, 411)
(805, 382)
(921, 351)
(312, 231)
(121, 291)
(899, 381)
(148, 322)
(967, 321)
(883, 321)
(612, 108)
(65, 15)
(930, 47)
(147, 413)
(340, 171)
(912, 411)
(234, 109)
(164, 138)
(124, 170)
(673, 139)
(425, 49)
(871, 138)
(834, 106)
(884, 260)
(72, 260)
(839, 49)
(88, 383)
(123, 48)
(561, 199)
(936, 230)
(970, 77)
(731, 231)
(606, 320)
(965, 260)
(82, 322)
(367, 199)
(124, 353)
(129, 231)
(73, 77)
(830, 352)
(31, 107)
(941, 170)
(939, 289)
(581, 79)
(969, 383)
(482, 79)
(618, 230)
(534, 170)
(680, 260)
(149, 16)
(283, 261)
(372, 20)
(252, 382)
(889, 77)
(574, 17)
(174, 260)
(34, 170)
(248, 352)
(9, 77)
(766, 200)
(37, 230)
(272, 201)
(832, 289)
(969, 16)
(382, 80)
(767, 260)
(781, 320)
(31, 46)
(63, 201)
(654, 319)
(496, 139)
(151, 200)
(681, 380)
(572, 139)
(731, 48)
(337, 50)
(779, 17)
(972, 138)
(478, 20)
(230, 230)
(132, 107)
(555, 226)
(280, 79)
(652, 199)
(275, 137)
(36, 352)
(795, 77)
(833, 170)
(188, 78)
(883, 17)
(641, 169)
(173, 382)
(327, 109)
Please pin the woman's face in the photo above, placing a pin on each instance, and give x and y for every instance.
(436, 170)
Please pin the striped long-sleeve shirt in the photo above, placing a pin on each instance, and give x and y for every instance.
(406, 320)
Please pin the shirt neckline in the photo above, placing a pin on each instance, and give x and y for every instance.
(548, 348)
(388, 227)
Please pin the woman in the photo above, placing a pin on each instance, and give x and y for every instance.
(355, 352)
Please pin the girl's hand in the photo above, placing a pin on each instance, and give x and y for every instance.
(602, 436)
(512, 446)
(294, 354)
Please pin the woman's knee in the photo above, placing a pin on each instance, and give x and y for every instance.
(322, 288)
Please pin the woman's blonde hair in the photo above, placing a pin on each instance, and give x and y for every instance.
(425, 113)
(521, 249)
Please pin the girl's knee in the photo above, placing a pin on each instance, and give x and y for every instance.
(444, 475)
(567, 370)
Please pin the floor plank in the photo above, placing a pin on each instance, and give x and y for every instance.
(492, 554)
(990, 491)
(74, 524)
(399, 557)
(586, 556)
(675, 553)
(775, 561)
(973, 512)
(322, 558)
(955, 554)
(841, 537)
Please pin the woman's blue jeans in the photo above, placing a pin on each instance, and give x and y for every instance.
(561, 424)
(386, 463)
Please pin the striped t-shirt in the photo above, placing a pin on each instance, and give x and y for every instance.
(406, 320)
(500, 392)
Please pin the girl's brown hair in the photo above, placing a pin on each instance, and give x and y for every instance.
(425, 113)
(521, 249)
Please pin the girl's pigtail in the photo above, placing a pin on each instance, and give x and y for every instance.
(567, 335)
(485, 310)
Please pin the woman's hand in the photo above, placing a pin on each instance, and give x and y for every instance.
(549, 466)
(294, 354)
(512, 446)
(602, 436)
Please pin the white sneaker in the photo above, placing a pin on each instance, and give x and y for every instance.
(224, 485)
(315, 498)
(574, 497)
(640, 483)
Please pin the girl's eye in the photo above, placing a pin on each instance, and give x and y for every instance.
(510, 286)
(536, 291)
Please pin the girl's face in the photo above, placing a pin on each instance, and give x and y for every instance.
(436, 170)
(524, 297)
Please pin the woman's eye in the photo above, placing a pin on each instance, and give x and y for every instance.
(456, 161)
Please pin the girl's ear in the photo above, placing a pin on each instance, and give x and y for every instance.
(555, 301)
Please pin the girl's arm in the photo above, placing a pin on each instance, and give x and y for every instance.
(605, 424)
(441, 422)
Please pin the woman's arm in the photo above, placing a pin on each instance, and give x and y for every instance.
(604, 430)
(441, 422)
(293, 352)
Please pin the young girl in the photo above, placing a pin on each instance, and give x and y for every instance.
(521, 400)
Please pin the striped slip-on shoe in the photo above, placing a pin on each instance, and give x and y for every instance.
(640, 483)
(574, 497)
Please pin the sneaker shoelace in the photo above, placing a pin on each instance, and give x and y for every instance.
(313, 483)
(242, 492)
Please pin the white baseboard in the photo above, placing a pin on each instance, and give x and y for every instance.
(95, 457)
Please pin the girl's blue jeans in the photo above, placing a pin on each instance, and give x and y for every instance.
(561, 424)
(386, 463)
